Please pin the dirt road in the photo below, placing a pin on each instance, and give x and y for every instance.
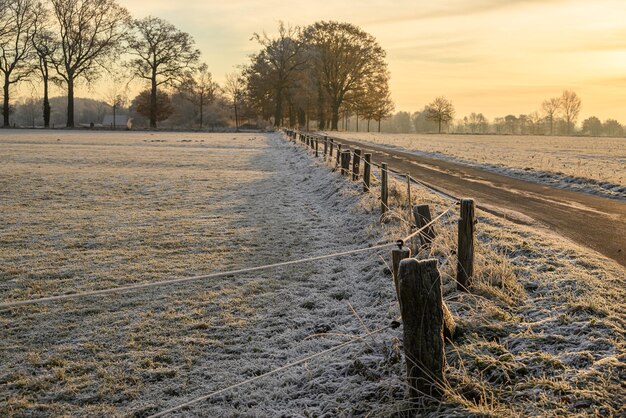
(595, 222)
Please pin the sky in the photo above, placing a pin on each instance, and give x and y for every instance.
(497, 57)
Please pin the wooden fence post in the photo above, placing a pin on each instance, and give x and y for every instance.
(345, 162)
(465, 251)
(307, 140)
(422, 216)
(367, 171)
(384, 190)
(421, 305)
(408, 192)
(356, 162)
(325, 146)
(317, 153)
(338, 163)
(332, 145)
(397, 255)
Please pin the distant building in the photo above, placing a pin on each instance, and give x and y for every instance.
(121, 121)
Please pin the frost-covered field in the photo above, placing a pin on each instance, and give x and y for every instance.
(592, 165)
(543, 332)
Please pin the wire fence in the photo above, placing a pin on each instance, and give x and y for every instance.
(399, 243)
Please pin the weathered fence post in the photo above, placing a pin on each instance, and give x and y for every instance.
(465, 251)
(421, 305)
(325, 147)
(367, 172)
(384, 190)
(338, 155)
(356, 162)
(332, 144)
(422, 216)
(345, 162)
(317, 153)
(307, 138)
(397, 255)
(408, 192)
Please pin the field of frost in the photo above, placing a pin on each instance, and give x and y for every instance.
(542, 333)
(591, 165)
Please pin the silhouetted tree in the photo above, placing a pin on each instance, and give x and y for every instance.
(45, 48)
(571, 104)
(201, 89)
(345, 59)
(164, 55)
(276, 66)
(441, 111)
(17, 31)
(234, 89)
(551, 107)
(90, 35)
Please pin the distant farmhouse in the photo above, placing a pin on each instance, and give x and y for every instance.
(121, 121)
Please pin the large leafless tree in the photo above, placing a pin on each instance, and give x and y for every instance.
(278, 65)
(551, 108)
(346, 59)
(91, 33)
(45, 48)
(571, 104)
(164, 56)
(20, 20)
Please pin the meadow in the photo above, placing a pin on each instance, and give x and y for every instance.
(590, 164)
(543, 331)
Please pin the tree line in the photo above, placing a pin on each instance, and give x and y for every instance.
(303, 74)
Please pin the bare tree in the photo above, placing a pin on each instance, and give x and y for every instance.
(234, 89)
(90, 33)
(345, 59)
(277, 65)
(45, 48)
(201, 89)
(441, 111)
(571, 104)
(551, 107)
(17, 31)
(164, 56)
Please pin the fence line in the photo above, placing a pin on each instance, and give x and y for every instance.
(189, 279)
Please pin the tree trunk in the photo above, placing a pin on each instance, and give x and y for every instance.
(368, 125)
(357, 122)
(335, 117)
(201, 110)
(278, 112)
(378, 125)
(70, 102)
(5, 105)
(153, 103)
(46, 104)
(114, 106)
(236, 117)
(439, 125)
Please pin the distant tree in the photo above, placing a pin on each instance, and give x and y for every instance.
(611, 127)
(381, 105)
(534, 121)
(592, 126)
(234, 89)
(165, 56)
(144, 106)
(571, 105)
(441, 111)
(26, 112)
(90, 34)
(511, 123)
(17, 31)
(551, 108)
(201, 89)
(345, 59)
(45, 47)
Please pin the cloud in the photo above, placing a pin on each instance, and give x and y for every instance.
(460, 8)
